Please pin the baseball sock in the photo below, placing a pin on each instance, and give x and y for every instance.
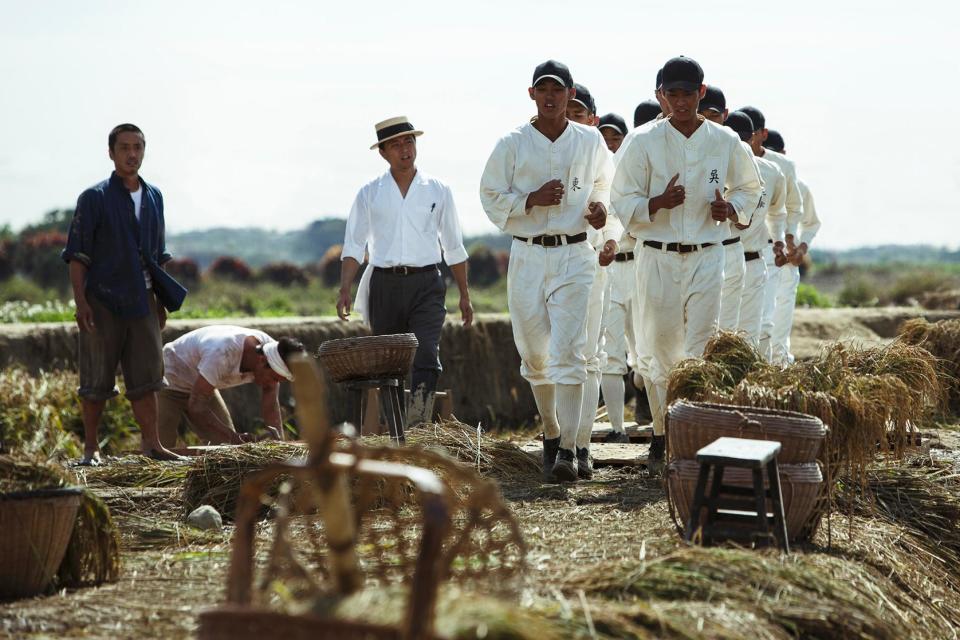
(569, 400)
(613, 390)
(545, 396)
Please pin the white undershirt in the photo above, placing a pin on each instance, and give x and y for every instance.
(137, 200)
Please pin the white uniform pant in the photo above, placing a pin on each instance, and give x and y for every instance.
(783, 314)
(678, 306)
(594, 351)
(548, 289)
(751, 301)
(618, 334)
(770, 288)
(733, 270)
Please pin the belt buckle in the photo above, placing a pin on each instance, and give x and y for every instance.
(549, 241)
(404, 270)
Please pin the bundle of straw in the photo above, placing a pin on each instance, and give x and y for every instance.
(942, 339)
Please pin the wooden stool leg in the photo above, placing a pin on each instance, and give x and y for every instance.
(401, 400)
(356, 408)
(715, 490)
(396, 394)
(386, 405)
(776, 497)
(694, 520)
(760, 497)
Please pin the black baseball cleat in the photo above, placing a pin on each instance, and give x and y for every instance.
(565, 468)
(550, 448)
(584, 463)
(619, 437)
(656, 455)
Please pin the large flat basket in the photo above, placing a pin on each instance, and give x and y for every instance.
(366, 357)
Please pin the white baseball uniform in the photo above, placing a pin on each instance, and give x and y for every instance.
(618, 337)
(548, 288)
(678, 290)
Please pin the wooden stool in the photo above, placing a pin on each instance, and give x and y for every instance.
(390, 391)
(739, 505)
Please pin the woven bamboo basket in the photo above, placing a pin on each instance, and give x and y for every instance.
(368, 357)
(35, 528)
(694, 425)
(799, 485)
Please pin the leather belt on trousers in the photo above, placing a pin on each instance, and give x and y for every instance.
(751, 255)
(730, 241)
(626, 256)
(769, 240)
(406, 271)
(553, 241)
(676, 246)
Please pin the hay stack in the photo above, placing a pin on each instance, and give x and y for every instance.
(93, 553)
(942, 339)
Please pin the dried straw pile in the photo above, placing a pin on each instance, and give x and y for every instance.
(864, 396)
(93, 553)
(942, 339)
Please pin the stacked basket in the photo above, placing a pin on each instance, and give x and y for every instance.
(694, 425)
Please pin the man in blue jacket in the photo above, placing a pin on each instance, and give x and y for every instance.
(115, 249)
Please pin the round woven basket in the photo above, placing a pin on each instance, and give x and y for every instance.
(368, 357)
(799, 486)
(35, 528)
(694, 425)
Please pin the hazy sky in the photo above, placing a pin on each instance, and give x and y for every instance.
(262, 113)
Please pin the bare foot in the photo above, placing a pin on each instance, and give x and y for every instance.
(90, 459)
(159, 453)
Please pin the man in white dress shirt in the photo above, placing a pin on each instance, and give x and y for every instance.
(404, 219)
(669, 190)
(768, 221)
(782, 277)
(582, 109)
(545, 183)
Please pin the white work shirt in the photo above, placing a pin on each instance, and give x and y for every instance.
(794, 199)
(525, 159)
(810, 222)
(406, 231)
(710, 159)
(212, 352)
(768, 220)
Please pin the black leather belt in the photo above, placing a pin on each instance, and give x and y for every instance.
(751, 255)
(553, 241)
(626, 256)
(769, 241)
(730, 241)
(676, 246)
(406, 271)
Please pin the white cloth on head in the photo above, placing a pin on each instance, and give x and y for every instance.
(793, 198)
(734, 268)
(272, 351)
(783, 311)
(413, 231)
(751, 300)
(770, 287)
(213, 352)
(711, 159)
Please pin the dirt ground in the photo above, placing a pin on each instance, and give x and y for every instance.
(172, 573)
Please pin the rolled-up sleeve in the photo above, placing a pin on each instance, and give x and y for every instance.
(777, 209)
(630, 191)
(497, 196)
(80, 237)
(358, 229)
(744, 186)
(451, 236)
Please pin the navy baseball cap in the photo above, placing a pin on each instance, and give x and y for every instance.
(682, 73)
(583, 97)
(759, 122)
(645, 112)
(774, 141)
(613, 121)
(553, 70)
(713, 99)
(741, 124)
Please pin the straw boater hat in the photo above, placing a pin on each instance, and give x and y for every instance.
(394, 128)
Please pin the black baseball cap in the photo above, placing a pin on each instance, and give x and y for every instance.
(759, 122)
(659, 78)
(713, 99)
(774, 141)
(741, 124)
(554, 71)
(645, 112)
(583, 97)
(613, 121)
(682, 73)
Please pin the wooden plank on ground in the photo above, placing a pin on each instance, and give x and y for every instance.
(637, 433)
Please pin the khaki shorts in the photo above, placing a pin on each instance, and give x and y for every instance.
(172, 407)
(133, 343)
